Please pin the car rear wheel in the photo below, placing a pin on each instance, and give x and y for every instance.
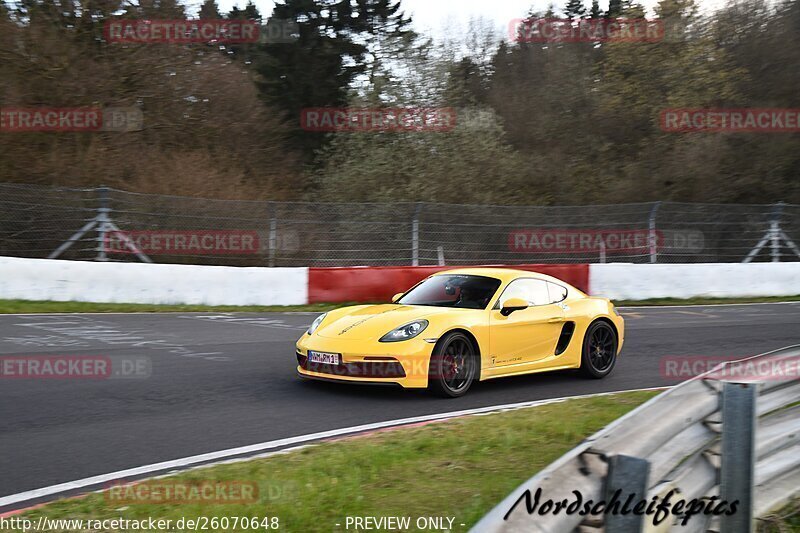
(454, 365)
(599, 350)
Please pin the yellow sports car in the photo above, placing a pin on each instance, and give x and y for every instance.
(458, 326)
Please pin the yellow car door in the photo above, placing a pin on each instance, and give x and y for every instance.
(527, 336)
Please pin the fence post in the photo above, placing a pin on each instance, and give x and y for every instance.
(738, 454)
(773, 236)
(653, 236)
(775, 232)
(415, 235)
(629, 475)
(273, 234)
(102, 223)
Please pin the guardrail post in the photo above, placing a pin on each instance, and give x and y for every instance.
(629, 475)
(738, 454)
(415, 235)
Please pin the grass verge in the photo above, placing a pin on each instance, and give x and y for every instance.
(784, 521)
(26, 306)
(707, 301)
(459, 468)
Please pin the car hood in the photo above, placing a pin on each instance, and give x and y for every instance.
(374, 321)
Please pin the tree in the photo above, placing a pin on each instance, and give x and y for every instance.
(594, 12)
(203, 120)
(159, 9)
(447, 166)
(637, 82)
(210, 10)
(332, 51)
(450, 166)
(614, 9)
(251, 11)
(246, 52)
(574, 9)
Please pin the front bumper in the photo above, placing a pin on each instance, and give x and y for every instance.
(404, 363)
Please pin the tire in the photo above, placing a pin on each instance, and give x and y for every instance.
(599, 354)
(453, 367)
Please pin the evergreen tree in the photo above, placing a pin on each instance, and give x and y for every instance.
(250, 12)
(467, 85)
(574, 9)
(318, 68)
(159, 9)
(210, 10)
(595, 12)
(614, 9)
(633, 9)
(246, 51)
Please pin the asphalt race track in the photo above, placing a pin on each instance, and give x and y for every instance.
(218, 381)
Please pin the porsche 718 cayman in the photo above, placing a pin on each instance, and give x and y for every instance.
(459, 326)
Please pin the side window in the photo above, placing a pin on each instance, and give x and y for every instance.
(533, 291)
(557, 292)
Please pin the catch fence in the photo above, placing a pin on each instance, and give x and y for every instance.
(113, 225)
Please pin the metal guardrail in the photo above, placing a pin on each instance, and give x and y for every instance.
(728, 439)
(38, 221)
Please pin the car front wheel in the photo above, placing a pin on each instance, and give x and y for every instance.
(454, 365)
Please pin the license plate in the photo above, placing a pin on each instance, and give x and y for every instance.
(323, 357)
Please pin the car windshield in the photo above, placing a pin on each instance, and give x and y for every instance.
(457, 290)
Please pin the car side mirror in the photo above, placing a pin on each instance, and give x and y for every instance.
(513, 304)
(397, 296)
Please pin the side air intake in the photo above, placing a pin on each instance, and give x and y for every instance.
(566, 336)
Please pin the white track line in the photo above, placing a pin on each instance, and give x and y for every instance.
(269, 445)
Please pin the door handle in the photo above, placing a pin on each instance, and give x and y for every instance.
(555, 320)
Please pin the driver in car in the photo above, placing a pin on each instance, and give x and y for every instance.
(471, 298)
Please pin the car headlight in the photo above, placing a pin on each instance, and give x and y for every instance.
(316, 323)
(403, 333)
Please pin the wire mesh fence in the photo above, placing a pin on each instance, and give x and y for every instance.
(113, 225)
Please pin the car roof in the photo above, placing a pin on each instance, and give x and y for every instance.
(503, 274)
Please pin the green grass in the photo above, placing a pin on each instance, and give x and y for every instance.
(25, 306)
(459, 468)
(707, 301)
(784, 521)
